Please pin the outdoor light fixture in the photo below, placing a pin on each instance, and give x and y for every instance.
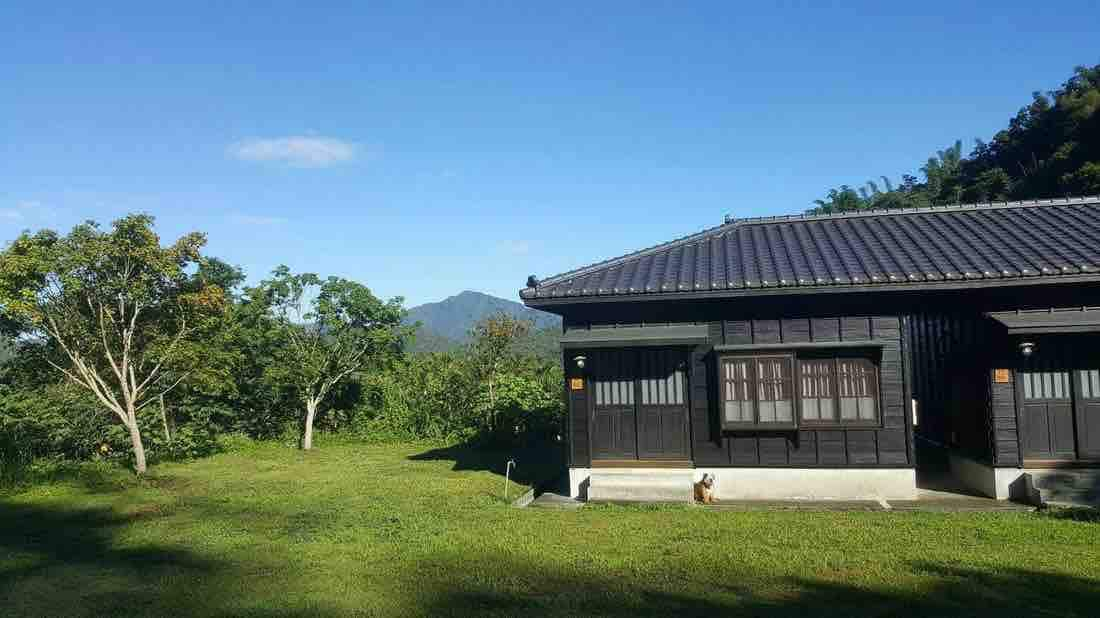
(1027, 348)
(580, 361)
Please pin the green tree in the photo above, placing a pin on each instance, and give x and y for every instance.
(841, 199)
(1050, 148)
(113, 311)
(493, 343)
(330, 329)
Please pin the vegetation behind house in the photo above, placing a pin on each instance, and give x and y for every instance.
(1050, 148)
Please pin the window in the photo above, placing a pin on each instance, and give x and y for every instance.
(838, 390)
(760, 391)
(757, 391)
(1090, 383)
(1050, 385)
(818, 391)
(856, 383)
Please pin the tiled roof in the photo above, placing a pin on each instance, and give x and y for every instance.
(975, 244)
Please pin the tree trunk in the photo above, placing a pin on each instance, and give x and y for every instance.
(492, 406)
(164, 419)
(307, 434)
(139, 448)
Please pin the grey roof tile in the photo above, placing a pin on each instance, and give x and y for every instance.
(968, 243)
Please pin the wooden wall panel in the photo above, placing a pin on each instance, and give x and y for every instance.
(1002, 404)
(952, 357)
(886, 446)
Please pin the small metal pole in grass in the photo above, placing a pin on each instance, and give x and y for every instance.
(507, 470)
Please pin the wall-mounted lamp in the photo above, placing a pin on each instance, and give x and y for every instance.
(580, 361)
(1027, 348)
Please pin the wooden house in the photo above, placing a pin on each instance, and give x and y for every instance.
(804, 356)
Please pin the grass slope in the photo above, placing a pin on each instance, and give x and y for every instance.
(405, 530)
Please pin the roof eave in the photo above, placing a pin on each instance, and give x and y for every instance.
(977, 284)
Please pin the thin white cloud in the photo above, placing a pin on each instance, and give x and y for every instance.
(516, 247)
(295, 150)
(22, 209)
(256, 220)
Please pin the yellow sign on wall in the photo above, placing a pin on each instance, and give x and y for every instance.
(1001, 376)
(576, 384)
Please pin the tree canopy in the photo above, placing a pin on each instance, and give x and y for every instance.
(112, 311)
(1051, 148)
(333, 327)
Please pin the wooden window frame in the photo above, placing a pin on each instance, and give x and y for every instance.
(795, 361)
(838, 421)
(753, 381)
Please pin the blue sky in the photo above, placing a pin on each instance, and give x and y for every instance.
(424, 149)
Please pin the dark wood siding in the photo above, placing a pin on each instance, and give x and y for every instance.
(577, 421)
(888, 445)
(953, 358)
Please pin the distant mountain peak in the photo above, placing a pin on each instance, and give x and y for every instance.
(449, 321)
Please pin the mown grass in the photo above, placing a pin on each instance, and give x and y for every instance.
(408, 530)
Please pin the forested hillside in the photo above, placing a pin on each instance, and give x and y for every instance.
(1050, 148)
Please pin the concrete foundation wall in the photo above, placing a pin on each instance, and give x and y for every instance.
(812, 483)
(790, 483)
(999, 483)
(975, 476)
(578, 482)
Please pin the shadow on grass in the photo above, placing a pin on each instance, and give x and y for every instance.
(79, 562)
(942, 590)
(1085, 514)
(93, 475)
(534, 464)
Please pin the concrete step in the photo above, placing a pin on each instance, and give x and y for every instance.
(1068, 486)
(1076, 480)
(641, 485)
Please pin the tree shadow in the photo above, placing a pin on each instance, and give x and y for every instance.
(535, 464)
(66, 561)
(1082, 514)
(942, 590)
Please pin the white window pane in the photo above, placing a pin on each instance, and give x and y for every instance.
(783, 411)
(1058, 382)
(1048, 385)
(737, 412)
(849, 409)
(827, 412)
(811, 409)
(1027, 387)
(867, 408)
(1095, 382)
(767, 411)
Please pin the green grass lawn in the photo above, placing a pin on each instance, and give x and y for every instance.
(404, 530)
